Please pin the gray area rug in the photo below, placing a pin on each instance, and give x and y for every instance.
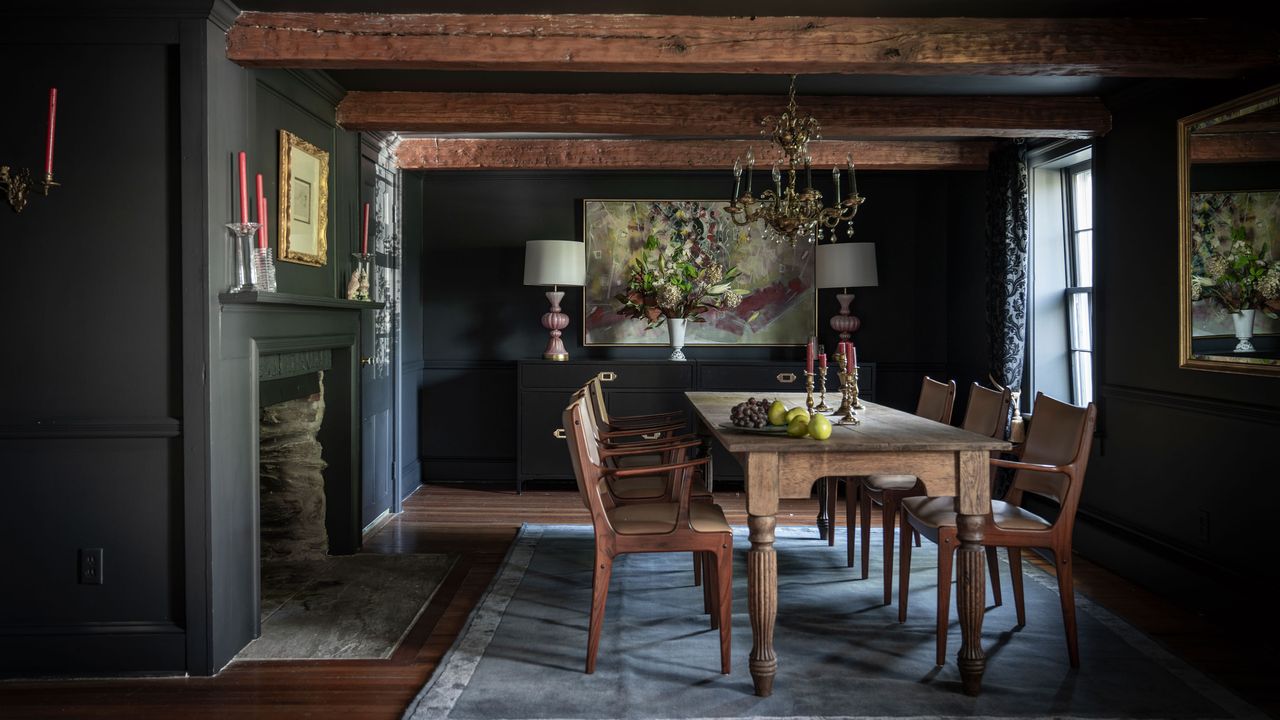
(343, 607)
(842, 654)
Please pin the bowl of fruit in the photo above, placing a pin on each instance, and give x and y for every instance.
(773, 418)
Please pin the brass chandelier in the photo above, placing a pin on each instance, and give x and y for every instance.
(787, 211)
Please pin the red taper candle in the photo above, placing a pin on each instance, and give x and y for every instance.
(808, 356)
(48, 139)
(244, 193)
(262, 220)
(364, 233)
(822, 362)
(257, 209)
(853, 358)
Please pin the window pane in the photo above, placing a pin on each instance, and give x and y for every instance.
(1082, 377)
(1082, 199)
(1081, 320)
(1084, 258)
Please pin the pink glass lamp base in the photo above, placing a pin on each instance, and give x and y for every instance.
(555, 321)
(845, 323)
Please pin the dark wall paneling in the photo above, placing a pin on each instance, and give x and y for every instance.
(91, 387)
(1180, 448)
(478, 318)
(411, 332)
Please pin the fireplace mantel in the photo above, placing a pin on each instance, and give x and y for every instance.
(273, 298)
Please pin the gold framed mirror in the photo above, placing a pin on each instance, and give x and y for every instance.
(1229, 236)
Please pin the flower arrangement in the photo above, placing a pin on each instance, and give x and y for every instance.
(1239, 279)
(667, 281)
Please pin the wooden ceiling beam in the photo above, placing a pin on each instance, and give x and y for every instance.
(722, 115)
(600, 154)
(1123, 47)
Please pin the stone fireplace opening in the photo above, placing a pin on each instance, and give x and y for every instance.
(291, 477)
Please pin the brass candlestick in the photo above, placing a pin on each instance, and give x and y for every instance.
(16, 183)
(822, 406)
(857, 405)
(808, 392)
(848, 396)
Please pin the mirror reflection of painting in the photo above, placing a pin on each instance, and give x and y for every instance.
(1231, 252)
(300, 201)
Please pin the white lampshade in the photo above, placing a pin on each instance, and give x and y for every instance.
(846, 265)
(554, 262)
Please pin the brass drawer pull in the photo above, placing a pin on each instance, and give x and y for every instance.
(607, 376)
(652, 436)
(786, 377)
(559, 434)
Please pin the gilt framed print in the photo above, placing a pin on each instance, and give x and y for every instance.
(304, 201)
(774, 284)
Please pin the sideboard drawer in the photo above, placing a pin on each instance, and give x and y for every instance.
(781, 377)
(571, 376)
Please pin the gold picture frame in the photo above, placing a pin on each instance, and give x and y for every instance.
(1200, 145)
(304, 201)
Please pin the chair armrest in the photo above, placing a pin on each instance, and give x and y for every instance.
(1034, 467)
(654, 469)
(652, 443)
(646, 448)
(649, 430)
(654, 418)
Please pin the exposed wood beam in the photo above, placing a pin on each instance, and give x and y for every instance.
(722, 115)
(594, 154)
(1127, 47)
(1235, 148)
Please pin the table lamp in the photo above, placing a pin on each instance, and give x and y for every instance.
(555, 263)
(845, 265)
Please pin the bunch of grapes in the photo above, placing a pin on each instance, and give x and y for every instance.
(753, 413)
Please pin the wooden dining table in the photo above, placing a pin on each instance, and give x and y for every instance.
(948, 461)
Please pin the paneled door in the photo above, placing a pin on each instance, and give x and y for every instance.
(380, 335)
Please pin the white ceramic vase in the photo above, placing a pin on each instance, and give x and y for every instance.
(675, 330)
(1243, 321)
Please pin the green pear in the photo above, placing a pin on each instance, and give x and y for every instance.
(777, 413)
(819, 427)
(798, 427)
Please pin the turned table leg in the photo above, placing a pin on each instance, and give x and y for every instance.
(762, 601)
(971, 582)
(824, 512)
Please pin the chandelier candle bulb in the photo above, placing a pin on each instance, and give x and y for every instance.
(777, 181)
(853, 178)
(737, 179)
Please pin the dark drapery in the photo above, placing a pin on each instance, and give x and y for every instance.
(1007, 237)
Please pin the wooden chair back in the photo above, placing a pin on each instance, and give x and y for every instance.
(988, 411)
(584, 454)
(1061, 436)
(595, 389)
(936, 400)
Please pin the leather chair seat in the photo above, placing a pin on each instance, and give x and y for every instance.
(657, 518)
(890, 482)
(941, 512)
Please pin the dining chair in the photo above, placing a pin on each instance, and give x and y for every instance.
(1052, 467)
(935, 403)
(627, 422)
(680, 526)
(656, 487)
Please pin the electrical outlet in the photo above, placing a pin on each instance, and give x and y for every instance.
(1204, 526)
(90, 566)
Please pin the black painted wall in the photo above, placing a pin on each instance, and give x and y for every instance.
(90, 379)
(478, 317)
(1180, 490)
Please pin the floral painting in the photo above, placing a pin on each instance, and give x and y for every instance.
(1219, 221)
(774, 281)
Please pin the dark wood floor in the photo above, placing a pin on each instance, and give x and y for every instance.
(478, 524)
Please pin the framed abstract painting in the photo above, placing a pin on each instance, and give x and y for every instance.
(776, 280)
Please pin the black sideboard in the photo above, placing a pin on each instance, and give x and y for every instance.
(635, 387)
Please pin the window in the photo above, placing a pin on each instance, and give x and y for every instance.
(1060, 328)
(1079, 292)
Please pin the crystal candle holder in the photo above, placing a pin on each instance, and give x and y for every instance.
(265, 267)
(246, 274)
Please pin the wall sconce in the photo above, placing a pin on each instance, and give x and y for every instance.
(17, 183)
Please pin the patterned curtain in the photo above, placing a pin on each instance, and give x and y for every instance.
(1007, 237)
